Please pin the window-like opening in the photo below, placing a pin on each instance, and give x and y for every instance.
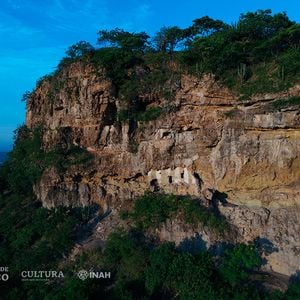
(170, 179)
(182, 175)
(154, 185)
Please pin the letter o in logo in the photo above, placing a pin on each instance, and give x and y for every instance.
(4, 277)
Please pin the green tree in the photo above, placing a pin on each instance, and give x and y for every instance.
(123, 39)
(167, 39)
(79, 49)
(262, 24)
(190, 276)
(238, 262)
(206, 26)
(125, 255)
(158, 269)
(24, 164)
(153, 209)
(293, 292)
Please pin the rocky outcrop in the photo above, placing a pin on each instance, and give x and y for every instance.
(210, 143)
(276, 232)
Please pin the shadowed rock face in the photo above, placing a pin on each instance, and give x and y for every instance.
(275, 232)
(209, 142)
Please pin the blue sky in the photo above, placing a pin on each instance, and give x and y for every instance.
(34, 35)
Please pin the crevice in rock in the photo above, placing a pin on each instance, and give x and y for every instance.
(136, 176)
(198, 179)
(274, 128)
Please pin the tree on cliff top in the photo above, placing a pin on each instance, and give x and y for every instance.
(118, 38)
(168, 38)
(206, 26)
(79, 49)
(261, 24)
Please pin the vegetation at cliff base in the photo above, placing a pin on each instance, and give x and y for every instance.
(143, 270)
(33, 238)
(153, 209)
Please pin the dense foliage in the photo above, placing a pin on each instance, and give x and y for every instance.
(257, 54)
(153, 209)
(28, 160)
(283, 103)
(32, 237)
(143, 270)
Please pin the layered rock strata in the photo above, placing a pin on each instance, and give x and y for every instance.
(208, 145)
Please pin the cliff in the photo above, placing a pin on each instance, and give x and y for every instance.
(242, 157)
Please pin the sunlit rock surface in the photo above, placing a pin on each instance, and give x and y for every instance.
(210, 143)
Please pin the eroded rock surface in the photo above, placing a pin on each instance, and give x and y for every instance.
(209, 142)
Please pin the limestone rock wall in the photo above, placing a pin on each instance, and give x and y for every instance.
(209, 143)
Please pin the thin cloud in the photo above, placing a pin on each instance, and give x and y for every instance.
(75, 16)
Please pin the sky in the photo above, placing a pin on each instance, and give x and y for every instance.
(34, 35)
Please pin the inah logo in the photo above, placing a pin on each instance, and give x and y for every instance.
(83, 274)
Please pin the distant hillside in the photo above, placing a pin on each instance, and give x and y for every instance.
(2, 157)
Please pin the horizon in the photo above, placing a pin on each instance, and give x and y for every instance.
(34, 37)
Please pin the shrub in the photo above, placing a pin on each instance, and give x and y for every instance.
(26, 96)
(153, 209)
(79, 49)
(149, 115)
(283, 103)
(238, 262)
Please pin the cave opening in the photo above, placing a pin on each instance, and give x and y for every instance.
(154, 185)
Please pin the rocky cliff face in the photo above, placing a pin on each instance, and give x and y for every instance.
(211, 145)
